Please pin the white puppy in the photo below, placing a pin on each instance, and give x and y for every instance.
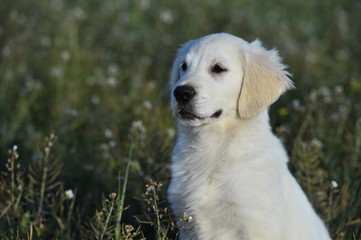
(229, 172)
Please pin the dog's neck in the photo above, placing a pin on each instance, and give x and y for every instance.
(229, 138)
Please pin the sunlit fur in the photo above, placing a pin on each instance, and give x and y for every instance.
(229, 173)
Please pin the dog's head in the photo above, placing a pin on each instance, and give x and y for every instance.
(221, 75)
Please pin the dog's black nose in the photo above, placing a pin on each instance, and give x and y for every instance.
(184, 94)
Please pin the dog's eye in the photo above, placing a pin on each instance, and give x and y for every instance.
(218, 69)
(184, 66)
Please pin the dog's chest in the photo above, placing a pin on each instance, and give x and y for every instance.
(195, 182)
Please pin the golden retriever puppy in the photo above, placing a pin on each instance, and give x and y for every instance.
(229, 171)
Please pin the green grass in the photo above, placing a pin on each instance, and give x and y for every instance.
(95, 74)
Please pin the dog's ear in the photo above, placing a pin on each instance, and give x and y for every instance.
(264, 80)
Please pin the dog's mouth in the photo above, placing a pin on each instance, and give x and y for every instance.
(188, 115)
(185, 114)
(217, 114)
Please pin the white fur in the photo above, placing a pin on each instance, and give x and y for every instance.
(229, 173)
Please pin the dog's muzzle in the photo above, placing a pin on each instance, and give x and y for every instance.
(183, 95)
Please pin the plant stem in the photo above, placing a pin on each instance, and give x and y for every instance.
(122, 199)
(156, 210)
(107, 221)
(43, 183)
(12, 167)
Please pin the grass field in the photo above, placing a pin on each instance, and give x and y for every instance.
(86, 130)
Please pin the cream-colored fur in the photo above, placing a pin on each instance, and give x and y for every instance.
(229, 172)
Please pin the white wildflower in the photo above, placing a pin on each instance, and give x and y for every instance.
(57, 71)
(334, 184)
(95, 99)
(65, 55)
(326, 93)
(113, 69)
(32, 84)
(88, 167)
(106, 155)
(313, 95)
(15, 147)
(108, 133)
(171, 132)
(71, 112)
(296, 103)
(111, 81)
(147, 105)
(166, 16)
(113, 195)
(343, 109)
(112, 143)
(316, 142)
(129, 229)
(69, 194)
(186, 218)
(137, 124)
(328, 99)
(79, 13)
(144, 4)
(138, 127)
(284, 129)
(338, 89)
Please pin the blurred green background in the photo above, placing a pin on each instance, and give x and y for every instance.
(95, 74)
